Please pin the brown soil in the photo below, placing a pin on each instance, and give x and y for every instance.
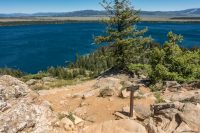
(97, 109)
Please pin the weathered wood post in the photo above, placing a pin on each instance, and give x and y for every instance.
(132, 89)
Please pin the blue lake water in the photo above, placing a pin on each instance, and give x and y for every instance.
(35, 47)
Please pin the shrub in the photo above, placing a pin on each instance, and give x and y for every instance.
(106, 92)
(12, 72)
(139, 69)
(173, 63)
(158, 97)
(35, 76)
(71, 117)
(38, 87)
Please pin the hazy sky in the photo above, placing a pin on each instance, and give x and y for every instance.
(32, 6)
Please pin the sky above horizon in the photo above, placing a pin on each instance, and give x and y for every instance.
(33, 6)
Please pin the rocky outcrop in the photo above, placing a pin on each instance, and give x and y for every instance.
(174, 118)
(120, 126)
(192, 96)
(11, 88)
(109, 83)
(191, 115)
(27, 117)
(22, 111)
(192, 85)
(172, 86)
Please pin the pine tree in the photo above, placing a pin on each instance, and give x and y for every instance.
(121, 34)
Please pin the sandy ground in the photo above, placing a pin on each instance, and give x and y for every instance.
(96, 109)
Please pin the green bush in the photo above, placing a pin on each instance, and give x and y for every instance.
(159, 98)
(39, 75)
(12, 72)
(139, 69)
(173, 63)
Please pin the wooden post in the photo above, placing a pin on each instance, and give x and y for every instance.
(132, 89)
(131, 103)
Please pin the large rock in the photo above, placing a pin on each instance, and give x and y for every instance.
(67, 124)
(191, 116)
(125, 94)
(87, 94)
(142, 92)
(109, 82)
(21, 110)
(25, 116)
(120, 126)
(172, 86)
(12, 88)
(192, 96)
(31, 82)
(192, 85)
(106, 92)
(174, 117)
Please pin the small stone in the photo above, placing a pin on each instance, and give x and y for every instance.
(67, 124)
(127, 84)
(77, 120)
(57, 124)
(91, 119)
(46, 104)
(81, 111)
(172, 86)
(125, 93)
(137, 94)
(126, 109)
(90, 93)
(6, 107)
(62, 102)
(179, 105)
(68, 96)
(110, 99)
(83, 104)
(21, 126)
(120, 115)
(31, 82)
(198, 106)
(143, 76)
(107, 92)
(64, 113)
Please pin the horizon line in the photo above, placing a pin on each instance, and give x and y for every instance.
(94, 10)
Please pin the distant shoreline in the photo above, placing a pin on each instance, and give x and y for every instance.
(61, 20)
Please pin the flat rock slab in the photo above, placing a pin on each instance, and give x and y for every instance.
(120, 126)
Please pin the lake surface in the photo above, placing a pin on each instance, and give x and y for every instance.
(36, 47)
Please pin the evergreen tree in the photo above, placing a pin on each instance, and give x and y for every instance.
(121, 34)
(173, 63)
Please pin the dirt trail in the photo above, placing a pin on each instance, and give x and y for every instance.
(92, 109)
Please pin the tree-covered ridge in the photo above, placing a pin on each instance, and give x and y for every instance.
(89, 65)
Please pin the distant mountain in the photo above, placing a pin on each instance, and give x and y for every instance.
(82, 13)
(89, 13)
(183, 13)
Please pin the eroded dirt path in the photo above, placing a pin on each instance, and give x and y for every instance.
(92, 109)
